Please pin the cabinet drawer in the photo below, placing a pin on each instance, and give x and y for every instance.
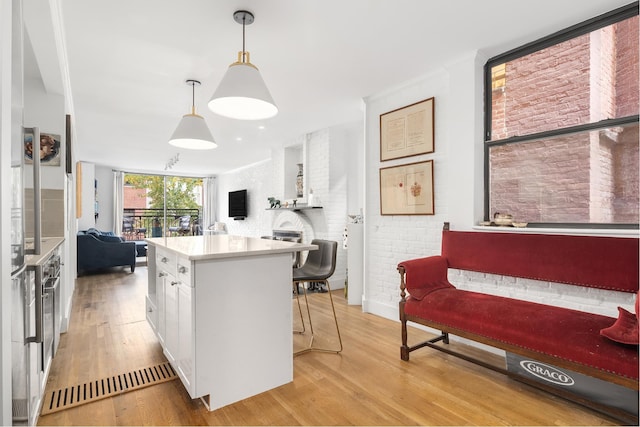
(166, 260)
(152, 314)
(184, 271)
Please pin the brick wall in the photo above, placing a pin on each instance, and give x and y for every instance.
(578, 178)
(625, 184)
(327, 173)
(627, 69)
(391, 239)
(135, 198)
(591, 300)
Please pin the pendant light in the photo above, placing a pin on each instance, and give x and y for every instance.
(242, 93)
(192, 131)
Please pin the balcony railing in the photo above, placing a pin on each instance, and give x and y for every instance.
(141, 223)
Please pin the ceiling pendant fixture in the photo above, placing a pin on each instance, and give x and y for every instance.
(242, 93)
(192, 131)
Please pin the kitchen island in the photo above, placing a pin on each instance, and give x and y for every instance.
(220, 306)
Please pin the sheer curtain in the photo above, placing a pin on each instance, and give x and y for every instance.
(118, 201)
(209, 189)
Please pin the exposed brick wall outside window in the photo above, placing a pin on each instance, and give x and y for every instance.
(591, 177)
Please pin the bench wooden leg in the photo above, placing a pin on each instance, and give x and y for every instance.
(404, 349)
(404, 353)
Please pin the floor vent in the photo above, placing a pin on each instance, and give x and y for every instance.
(69, 397)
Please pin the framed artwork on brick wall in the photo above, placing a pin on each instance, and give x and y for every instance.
(407, 131)
(407, 189)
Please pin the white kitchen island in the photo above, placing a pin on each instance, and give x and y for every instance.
(220, 306)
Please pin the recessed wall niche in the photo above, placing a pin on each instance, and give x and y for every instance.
(294, 156)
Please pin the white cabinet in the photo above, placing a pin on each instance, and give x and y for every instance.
(171, 327)
(152, 313)
(159, 282)
(174, 326)
(185, 353)
(150, 300)
(224, 319)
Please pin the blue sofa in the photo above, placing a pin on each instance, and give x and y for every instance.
(99, 250)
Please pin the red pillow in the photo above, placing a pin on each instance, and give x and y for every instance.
(625, 328)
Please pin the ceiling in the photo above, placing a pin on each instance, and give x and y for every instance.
(127, 61)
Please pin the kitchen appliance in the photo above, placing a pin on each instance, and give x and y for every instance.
(26, 298)
(51, 305)
(30, 357)
(27, 352)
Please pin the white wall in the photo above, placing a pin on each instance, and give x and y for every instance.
(458, 188)
(104, 176)
(330, 170)
(258, 181)
(47, 112)
(391, 239)
(87, 219)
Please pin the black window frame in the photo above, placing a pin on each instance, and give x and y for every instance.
(572, 32)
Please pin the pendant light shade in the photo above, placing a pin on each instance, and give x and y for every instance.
(192, 131)
(242, 93)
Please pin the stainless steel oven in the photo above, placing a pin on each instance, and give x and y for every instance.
(51, 305)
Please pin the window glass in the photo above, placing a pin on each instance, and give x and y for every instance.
(589, 177)
(562, 128)
(587, 79)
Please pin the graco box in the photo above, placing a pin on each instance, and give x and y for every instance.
(597, 390)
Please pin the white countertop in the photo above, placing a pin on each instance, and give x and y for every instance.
(47, 246)
(225, 246)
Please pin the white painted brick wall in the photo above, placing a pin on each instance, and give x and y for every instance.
(591, 300)
(258, 180)
(458, 164)
(326, 173)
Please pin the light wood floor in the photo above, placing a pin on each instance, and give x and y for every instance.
(367, 384)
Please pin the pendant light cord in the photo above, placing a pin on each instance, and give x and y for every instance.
(193, 97)
(244, 53)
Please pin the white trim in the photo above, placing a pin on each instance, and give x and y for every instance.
(564, 231)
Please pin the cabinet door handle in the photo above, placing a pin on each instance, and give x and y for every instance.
(162, 274)
(182, 269)
(164, 259)
(174, 283)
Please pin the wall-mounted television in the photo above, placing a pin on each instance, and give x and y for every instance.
(238, 204)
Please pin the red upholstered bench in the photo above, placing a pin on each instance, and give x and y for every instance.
(558, 337)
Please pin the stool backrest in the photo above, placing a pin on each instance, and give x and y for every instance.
(322, 262)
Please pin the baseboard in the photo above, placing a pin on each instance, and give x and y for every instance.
(379, 309)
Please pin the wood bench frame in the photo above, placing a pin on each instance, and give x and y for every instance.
(443, 338)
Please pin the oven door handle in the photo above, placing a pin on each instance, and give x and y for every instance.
(39, 307)
(47, 287)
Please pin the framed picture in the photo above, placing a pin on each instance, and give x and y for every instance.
(407, 131)
(407, 189)
(50, 152)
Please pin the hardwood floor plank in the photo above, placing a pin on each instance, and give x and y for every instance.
(367, 384)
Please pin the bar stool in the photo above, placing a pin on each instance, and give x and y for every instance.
(318, 267)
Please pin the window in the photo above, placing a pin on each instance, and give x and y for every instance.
(561, 140)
